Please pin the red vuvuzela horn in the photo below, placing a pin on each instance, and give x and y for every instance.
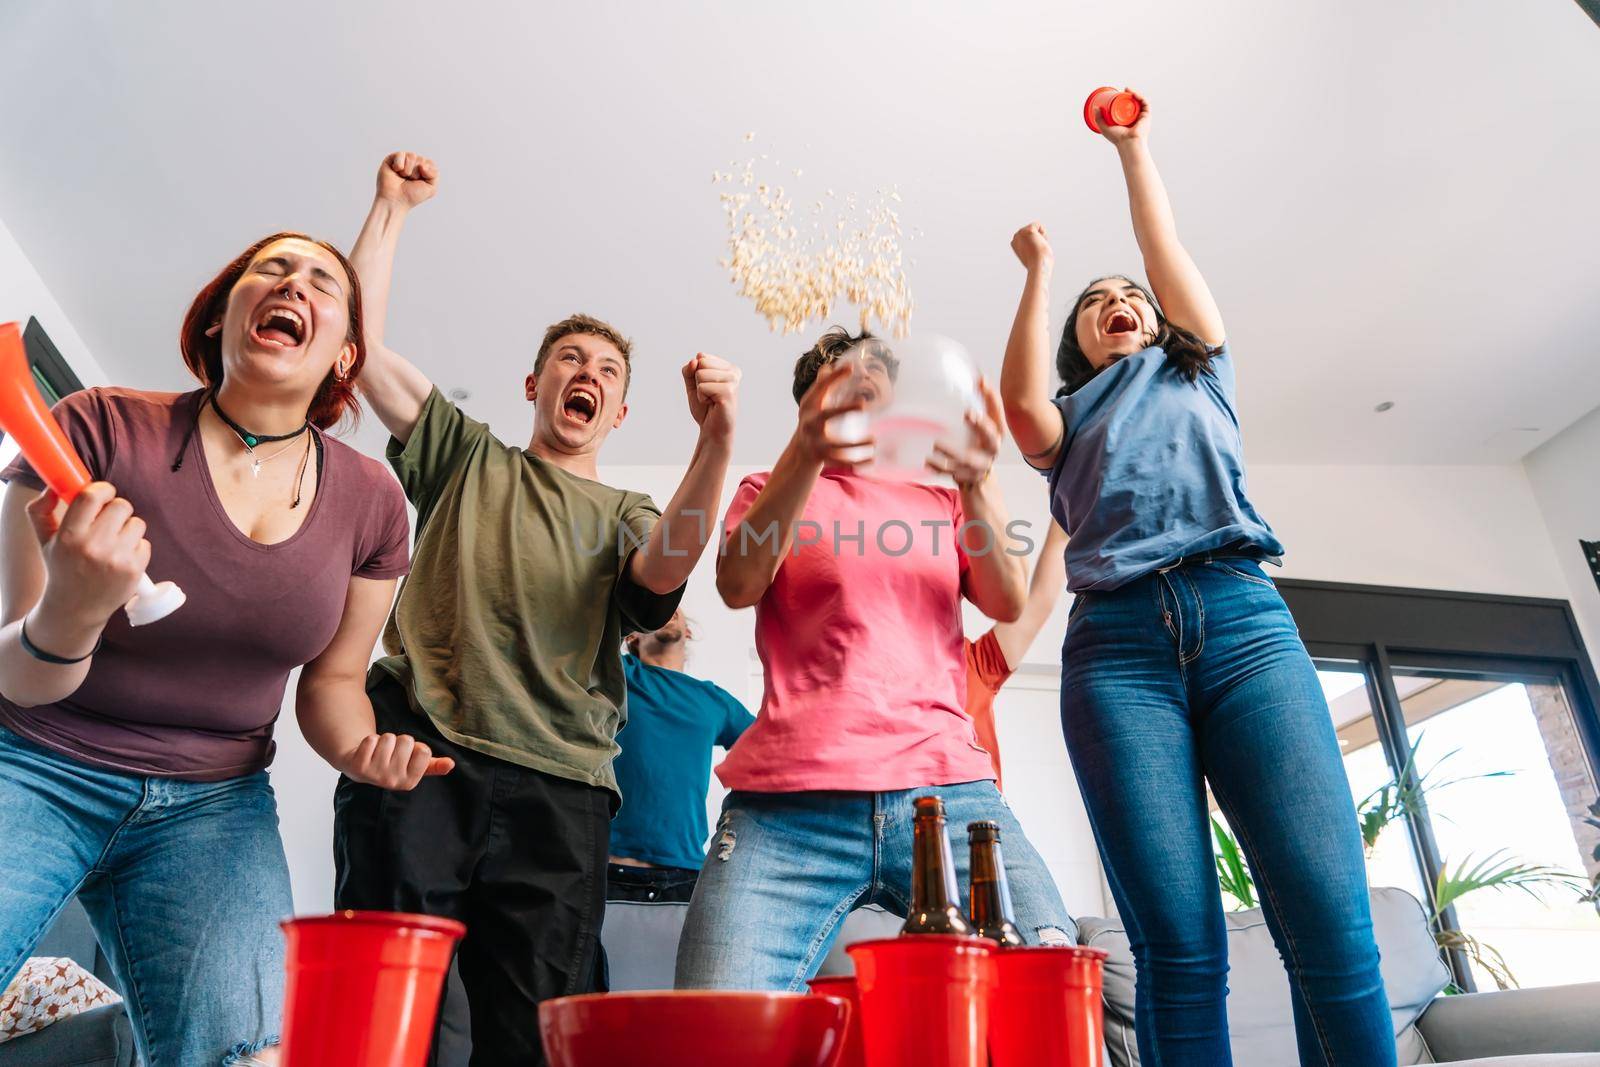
(25, 417)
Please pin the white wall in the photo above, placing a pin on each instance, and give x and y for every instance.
(1472, 529)
(23, 294)
(1562, 475)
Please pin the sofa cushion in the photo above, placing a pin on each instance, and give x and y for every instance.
(48, 990)
(1260, 1018)
(101, 1037)
(1412, 1047)
(1548, 1020)
(641, 941)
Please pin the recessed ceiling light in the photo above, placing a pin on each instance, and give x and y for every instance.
(459, 394)
(1385, 406)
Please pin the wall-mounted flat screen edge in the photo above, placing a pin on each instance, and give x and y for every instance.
(51, 374)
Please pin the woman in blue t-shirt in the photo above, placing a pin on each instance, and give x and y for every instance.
(1182, 665)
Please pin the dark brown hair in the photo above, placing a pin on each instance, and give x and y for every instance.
(581, 323)
(335, 399)
(832, 345)
(1184, 350)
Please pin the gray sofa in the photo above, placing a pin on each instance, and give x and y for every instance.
(98, 1038)
(1557, 1027)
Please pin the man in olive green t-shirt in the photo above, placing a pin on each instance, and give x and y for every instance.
(504, 672)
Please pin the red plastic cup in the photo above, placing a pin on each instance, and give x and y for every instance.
(844, 987)
(1123, 107)
(1046, 1009)
(363, 988)
(924, 1000)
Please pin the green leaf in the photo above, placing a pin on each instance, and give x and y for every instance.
(1499, 871)
(1233, 874)
(1404, 795)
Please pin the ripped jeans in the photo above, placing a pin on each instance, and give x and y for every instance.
(184, 883)
(784, 869)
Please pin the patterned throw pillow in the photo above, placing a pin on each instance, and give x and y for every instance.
(48, 990)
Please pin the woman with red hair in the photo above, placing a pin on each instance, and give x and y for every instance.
(132, 761)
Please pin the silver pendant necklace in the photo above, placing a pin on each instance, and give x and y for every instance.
(250, 440)
(257, 461)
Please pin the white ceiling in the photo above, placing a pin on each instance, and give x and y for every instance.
(1392, 201)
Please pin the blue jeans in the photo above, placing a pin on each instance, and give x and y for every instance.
(784, 869)
(1195, 675)
(184, 883)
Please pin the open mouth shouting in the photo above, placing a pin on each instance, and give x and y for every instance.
(1121, 321)
(581, 405)
(279, 326)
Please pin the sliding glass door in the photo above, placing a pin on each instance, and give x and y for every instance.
(1498, 772)
(1469, 735)
(1386, 836)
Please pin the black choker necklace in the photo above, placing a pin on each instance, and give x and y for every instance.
(252, 439)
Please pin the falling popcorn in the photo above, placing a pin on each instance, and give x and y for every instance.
(790, 279)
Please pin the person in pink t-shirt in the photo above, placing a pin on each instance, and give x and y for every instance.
(857, 584)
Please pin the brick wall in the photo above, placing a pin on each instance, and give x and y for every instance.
(1570, 763)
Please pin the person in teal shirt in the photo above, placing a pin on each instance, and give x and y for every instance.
(658, 838)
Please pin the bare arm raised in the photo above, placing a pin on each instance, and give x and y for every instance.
(1034, 421)
(1174, 277)
(391, 384)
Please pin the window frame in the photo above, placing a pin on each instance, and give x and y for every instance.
(1471, 635)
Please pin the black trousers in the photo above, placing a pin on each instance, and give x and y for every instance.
(650, 885)
(516, 854)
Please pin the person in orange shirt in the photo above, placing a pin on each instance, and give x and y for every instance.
(995, 656)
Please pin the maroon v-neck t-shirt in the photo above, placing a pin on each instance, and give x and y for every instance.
(195, 695)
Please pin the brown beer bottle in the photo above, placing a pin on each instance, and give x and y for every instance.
(991, 896)
(935, 899)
